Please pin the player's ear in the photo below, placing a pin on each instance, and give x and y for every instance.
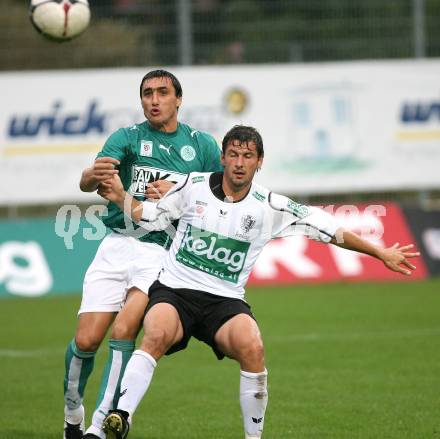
(179, 103)
(260, 164)
(222, 159)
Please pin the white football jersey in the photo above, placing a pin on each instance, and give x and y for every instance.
(217, 241)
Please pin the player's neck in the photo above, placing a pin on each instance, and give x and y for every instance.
(167, 127)
(234, 193)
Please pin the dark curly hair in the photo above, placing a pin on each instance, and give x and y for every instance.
(163, 74)
(244, 134)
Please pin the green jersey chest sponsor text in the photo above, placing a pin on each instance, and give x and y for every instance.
(147, 155)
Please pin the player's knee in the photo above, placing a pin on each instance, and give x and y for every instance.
(252, 352)
(124, 330)
(87, 342)
(156, 341)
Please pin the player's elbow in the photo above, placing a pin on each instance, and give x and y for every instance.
(83, 187)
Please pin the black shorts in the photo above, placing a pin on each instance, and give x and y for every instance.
(201, 313)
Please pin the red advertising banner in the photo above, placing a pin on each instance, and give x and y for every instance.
(298, 259)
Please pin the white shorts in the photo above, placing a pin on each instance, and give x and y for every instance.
(120, 263)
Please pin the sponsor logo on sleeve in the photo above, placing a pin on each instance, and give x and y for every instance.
(146, 149)
(297, 209)
(259, 196)
(198, 179)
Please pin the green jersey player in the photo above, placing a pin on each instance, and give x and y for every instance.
(225, 221)
(149, 158)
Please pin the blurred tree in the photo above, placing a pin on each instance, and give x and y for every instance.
(145, 32)
(106, 43)
(432, 19)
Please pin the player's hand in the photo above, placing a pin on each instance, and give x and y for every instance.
(104, 168)
(396, 258)
(112, 189)
(157, 189)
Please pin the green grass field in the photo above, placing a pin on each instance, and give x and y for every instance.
(345, 361)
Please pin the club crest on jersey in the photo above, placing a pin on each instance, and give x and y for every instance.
(188, 153)
(247, 223)
(146, 149)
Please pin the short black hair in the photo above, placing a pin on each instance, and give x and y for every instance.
(244, 134)
(163, 74)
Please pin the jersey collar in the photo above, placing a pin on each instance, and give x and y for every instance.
(215, 184)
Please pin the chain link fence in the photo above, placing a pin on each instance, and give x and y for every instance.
(150, 33)
(172, 32)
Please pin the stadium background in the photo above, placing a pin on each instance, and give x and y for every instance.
(359, 352)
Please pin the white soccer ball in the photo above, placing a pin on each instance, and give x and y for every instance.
(60, 20)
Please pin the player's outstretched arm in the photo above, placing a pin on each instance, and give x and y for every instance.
(395, 257)
(114, 191)
(99, 173)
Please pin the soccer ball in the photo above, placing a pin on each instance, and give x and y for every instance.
(60, 20)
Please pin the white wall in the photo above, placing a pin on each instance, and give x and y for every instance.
(339, 127)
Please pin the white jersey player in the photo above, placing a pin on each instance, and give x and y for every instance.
(220, 240)
(225, 219)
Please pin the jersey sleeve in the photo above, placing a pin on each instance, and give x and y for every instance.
(115, 146)
(158, 216)
(211, 152)
(291, 218)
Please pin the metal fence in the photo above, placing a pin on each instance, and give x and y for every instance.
(171, 32)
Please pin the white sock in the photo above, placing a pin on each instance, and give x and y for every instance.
(136, 380)
(253, 402)
(74, 416)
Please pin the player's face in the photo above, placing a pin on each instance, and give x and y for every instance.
(160, 103)
(241, 161)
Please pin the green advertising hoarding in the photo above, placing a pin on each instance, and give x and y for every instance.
(45, 256)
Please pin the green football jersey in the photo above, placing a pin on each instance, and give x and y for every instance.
(147, 155)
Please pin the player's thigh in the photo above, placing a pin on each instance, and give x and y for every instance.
(128, 322)
(107, 278)
(146, 265)
(91, 329)
(162, 329)
(240, 338)
(144, 268)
